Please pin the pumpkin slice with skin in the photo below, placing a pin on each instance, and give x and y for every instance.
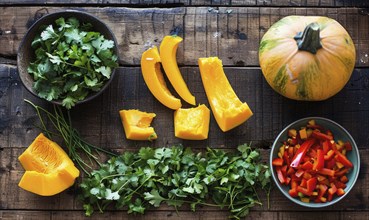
(168, 52)
(49, 170)
(228, 110)
(192, 123)
(136, 124)
(154, 79)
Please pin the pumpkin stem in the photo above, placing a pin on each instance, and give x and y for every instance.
(309, 40)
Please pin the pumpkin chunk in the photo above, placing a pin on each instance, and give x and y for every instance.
(49, 170)
(192, 123)
(228, 110)
(136, 124)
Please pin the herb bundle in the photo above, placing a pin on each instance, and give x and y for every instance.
(71, 61)
(178, 176)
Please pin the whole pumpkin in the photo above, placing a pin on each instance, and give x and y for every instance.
(307, 57)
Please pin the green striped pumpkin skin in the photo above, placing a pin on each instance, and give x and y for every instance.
(302, 75)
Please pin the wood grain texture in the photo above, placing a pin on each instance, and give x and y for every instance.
(232, 33)
(99, 123)
(166, 3)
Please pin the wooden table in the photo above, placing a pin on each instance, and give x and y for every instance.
(229, 29)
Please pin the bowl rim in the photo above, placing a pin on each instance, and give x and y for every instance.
(276, 181)
(69, 13)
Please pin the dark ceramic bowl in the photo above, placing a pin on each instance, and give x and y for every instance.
(26, 52)
(339, 133)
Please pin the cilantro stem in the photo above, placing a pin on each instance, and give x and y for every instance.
(74, 143)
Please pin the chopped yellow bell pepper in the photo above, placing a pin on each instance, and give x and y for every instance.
(154, 79)
(192, 123)
(228, 110)
(136, 124)
(168, 52)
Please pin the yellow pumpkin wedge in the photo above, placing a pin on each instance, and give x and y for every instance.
(168, 52)
(49, 170)
(228, 110)
(136, 124)
(192, 123)
(307, 57)
(154, 79)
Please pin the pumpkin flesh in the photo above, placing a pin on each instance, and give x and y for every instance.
(228, 110)
(136, 124)
(192, 123)
(49, 170)
(154, 79)
(168, 56)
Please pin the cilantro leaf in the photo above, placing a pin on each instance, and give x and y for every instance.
(154, 198)
(48, 33)
(54, 59)
(109, 195)
(69, 102)
(105, 71)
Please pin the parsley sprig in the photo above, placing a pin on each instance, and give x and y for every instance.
(177, 176)
(71, 61)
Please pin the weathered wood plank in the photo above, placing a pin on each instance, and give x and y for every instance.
(99, 120)
(41, 215)
(166, 3)
(13, 197)
(233, 33)
(171, 215)
(31, 215)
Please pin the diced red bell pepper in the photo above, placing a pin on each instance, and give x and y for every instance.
(307, 175)
(311, 184)
(303, 183)
(340, 184)
(330, 164)
(326, 147)
(319, 162)
(340, 192)
(325, 171)
(343, 159)
(321, 136)
(281, 178)
(304, 191)
(341, 172)
(290, 171)
(307, 165)
(299, 173)
(284, 170)
(301, 152)
(277, 162)
(344, 179)
(293, 192)
(294, 184)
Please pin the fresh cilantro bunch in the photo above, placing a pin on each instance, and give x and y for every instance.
(71, 61)
(178, 176)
